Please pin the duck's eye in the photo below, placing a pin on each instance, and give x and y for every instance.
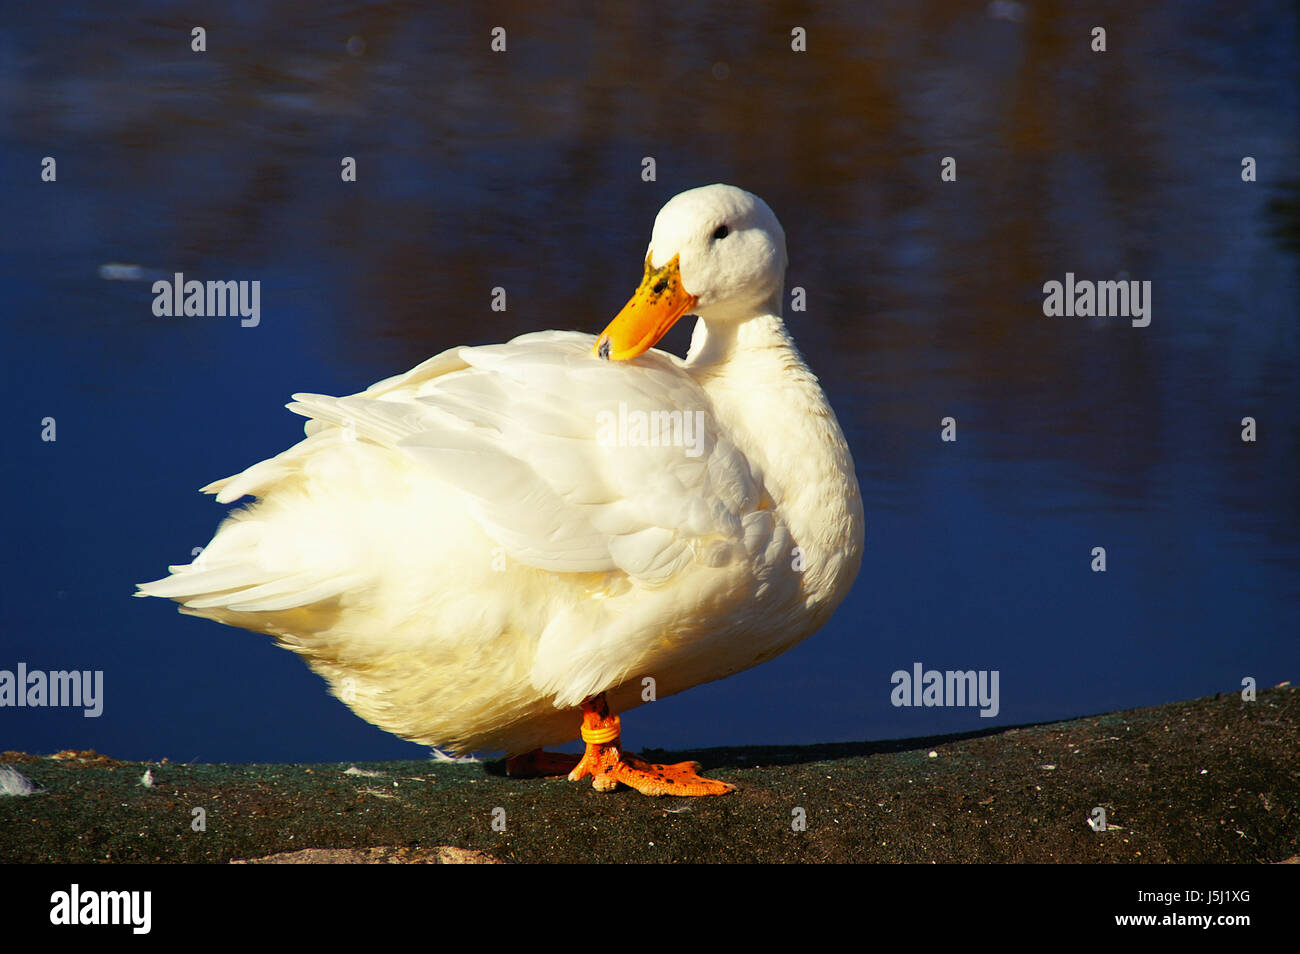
(721, 232)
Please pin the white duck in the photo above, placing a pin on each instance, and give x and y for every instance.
(472, 551)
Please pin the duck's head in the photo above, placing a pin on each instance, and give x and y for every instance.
(717, 252)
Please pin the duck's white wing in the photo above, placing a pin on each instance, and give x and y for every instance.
(569, 463)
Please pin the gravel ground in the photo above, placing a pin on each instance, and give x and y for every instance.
(1209, 780)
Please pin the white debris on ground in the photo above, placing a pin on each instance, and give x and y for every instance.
(14, 782)
(438, 755)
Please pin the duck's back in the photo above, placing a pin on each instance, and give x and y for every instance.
(499, 532)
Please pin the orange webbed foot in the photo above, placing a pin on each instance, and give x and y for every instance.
(681, 778)
(608, 765)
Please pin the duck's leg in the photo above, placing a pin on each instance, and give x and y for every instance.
(539, 762)
(608, 764)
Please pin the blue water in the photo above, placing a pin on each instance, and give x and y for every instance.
(522, 170)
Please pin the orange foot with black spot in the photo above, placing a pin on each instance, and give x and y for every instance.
(608, 765)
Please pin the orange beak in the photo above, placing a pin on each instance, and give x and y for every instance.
(655, 308)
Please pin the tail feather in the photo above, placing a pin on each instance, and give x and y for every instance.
(186, 581)
(288, 592)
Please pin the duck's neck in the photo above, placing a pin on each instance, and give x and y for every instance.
(766, 397)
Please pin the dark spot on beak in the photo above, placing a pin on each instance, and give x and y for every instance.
(602, 348)
(660, 286)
